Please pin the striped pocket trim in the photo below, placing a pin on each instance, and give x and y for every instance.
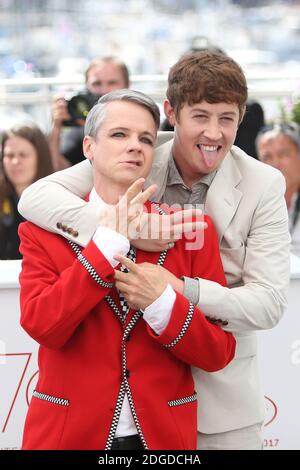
(183, 401)
(51, 398)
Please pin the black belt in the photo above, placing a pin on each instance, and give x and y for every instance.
(127, 443)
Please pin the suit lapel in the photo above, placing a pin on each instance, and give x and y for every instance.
(223, 197)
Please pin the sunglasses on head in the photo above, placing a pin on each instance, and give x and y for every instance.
(281, 126)
(290, 129)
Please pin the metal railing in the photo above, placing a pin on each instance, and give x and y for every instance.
(33, 96)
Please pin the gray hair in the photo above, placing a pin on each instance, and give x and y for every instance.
(96, 115)
(289, 129)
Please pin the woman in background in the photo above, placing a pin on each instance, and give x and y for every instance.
(25, 157)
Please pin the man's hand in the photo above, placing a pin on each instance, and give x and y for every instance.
(127, 217)
(160, 232)
(170, 278)
(59, 111)
(142, 285)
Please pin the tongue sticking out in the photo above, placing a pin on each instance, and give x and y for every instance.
(209, 156)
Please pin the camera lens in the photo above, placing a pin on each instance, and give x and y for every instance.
(78, 107)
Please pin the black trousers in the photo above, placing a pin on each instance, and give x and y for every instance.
(127, 443)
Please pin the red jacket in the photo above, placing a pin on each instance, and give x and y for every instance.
(88, 359)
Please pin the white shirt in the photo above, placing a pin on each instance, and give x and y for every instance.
(157, 314)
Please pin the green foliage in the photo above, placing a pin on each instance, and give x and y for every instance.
(296, 113)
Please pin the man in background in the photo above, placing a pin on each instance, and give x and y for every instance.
(278, 145)
(102, 76)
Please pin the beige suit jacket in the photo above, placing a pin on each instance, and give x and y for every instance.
(246, 203)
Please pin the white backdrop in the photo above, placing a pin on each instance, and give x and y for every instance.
(18, 360)
(279, 355)
(279, 351)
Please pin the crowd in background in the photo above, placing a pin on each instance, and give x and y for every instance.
(27, 154)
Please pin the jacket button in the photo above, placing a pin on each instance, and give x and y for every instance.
(212, 319)
(224, 322)
(75, 233)
(127, 374)
(70, 231)
(59, 225)
(64, 228)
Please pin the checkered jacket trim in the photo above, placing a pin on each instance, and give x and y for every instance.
(134, 415)
(86, 264)
(121, 314)
(51, 398)
(125, 389)
(131, 324)
(116, 416)
(127, 330)
(158, 208)
(184, 328)
(183, 401)
(115, 308)
(123, 303)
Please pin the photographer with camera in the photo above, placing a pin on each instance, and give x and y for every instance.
(102, 76)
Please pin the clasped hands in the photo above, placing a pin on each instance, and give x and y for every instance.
(145, 282)
(149, 231)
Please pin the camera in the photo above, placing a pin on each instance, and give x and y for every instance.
(79, 106)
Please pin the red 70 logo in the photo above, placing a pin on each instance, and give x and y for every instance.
(13, 368)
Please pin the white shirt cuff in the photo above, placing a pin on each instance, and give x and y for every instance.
(110, 243)
(158, 314)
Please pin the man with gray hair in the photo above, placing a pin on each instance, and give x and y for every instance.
(278, 145)
(117, 341)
